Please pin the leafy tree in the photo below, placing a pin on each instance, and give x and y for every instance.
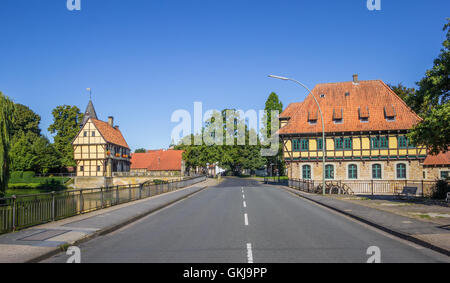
(140, 150)
(432, 103)
(405, 93)
(66, 125)
(6, 117)
(47, 157)
(273, 103)
(25, 120)
(22, 155)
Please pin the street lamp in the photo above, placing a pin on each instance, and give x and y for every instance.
(323, 124)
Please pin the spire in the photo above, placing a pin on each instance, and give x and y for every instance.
(89, 113)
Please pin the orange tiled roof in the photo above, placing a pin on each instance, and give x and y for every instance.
(110, 134)
(350, 102)
(440, 159)
(290, 110)
(158, 160)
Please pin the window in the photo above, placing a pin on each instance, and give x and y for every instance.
(348, 143)
(384, 143)
(306, 172)
(338, 144)
(352, 171)
(85, 134)
(304, 145)
(81, 168)
(379, 143)
(376, 171)
(402, 142)
(98, 168)
(93, 133)
(319, 144)
(445, 175)
(296, 145)
(401, 171)
(329, 172)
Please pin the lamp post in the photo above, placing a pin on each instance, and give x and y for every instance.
(323, 124)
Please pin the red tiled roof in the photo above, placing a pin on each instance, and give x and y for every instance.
(290, 110)
(158, 160)
(110, 134)
(440, 159)
(369, 96)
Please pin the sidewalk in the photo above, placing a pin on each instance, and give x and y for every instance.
(431, 234)
(36, 243)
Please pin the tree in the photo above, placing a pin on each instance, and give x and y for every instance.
(431, 102)
(6, 117)
(405, 93)
(140, 150)
(66, 125)
(47, 157)
(273, 103)
(25, 120)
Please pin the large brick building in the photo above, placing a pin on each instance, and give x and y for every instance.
(366, 127)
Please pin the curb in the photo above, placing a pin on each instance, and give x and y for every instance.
(376, 225)
(109, 229)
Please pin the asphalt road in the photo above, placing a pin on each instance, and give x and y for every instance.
(242, 221)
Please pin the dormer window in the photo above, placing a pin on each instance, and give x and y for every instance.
(363, 113)
(313, 116)
(338, 116)
(322, 95)
(390, 113)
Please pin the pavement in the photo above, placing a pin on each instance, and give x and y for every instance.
(400, 218)
(244, 221)
(36, 243)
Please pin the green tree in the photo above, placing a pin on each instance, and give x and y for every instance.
(66, 125)
(140, 150)
(47, 157)
(431, 102)
(405, 93)
(273, 103)
(25, 120)
(6, 117)
(21, 153)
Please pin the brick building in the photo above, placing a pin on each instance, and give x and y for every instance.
(159, 163)
(366, 127)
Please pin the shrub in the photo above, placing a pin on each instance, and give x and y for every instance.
(158, 182)
(16, 177)
(28, 176)
(440, 190)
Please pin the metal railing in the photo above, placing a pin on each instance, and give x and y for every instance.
(360, 187)
(30, 210)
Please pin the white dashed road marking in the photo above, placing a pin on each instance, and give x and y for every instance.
(246, 219)
(245, 204)
(249, 253)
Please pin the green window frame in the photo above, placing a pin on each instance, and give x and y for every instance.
(338, 144)
(352, 172)
(376, 171)
(384, 142)
(348, 143)
(296, 145)
(401, 171)
(379, 143)
(445, 175)
(304, 145)
(329, 172)
(306, 172)
(319, 144)
(403, 142)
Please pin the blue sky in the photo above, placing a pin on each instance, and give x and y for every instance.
(145, 59)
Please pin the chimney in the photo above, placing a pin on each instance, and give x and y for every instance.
(355, 79)
(111, 121)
